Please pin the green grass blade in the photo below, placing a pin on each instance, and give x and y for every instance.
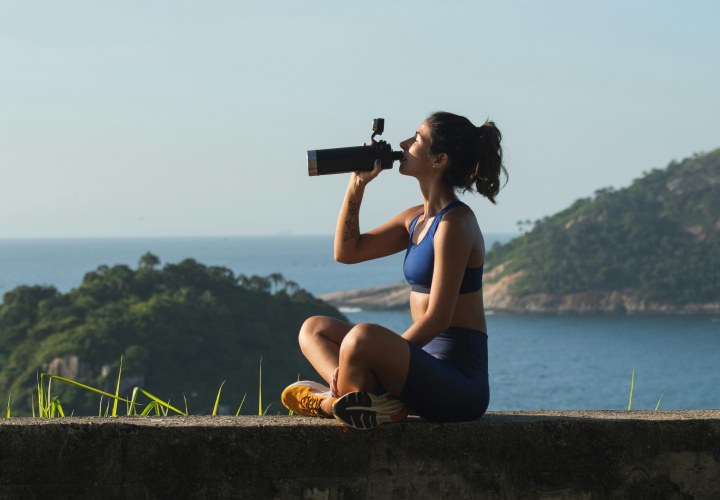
(37, 375)
(160, 402)
(132, 410)
(117, 390)
(217, 399)
(32, 404)
(632, 381)
(77, 384)
(47, 397)
(53, 406)
(186, 410)
(100, 410)
(8, 409)
(56, 404)
(165, 410)
(266, 409)
(661, 395)
(107, 408)
(149, 408)
(241, 403)
(260, 396)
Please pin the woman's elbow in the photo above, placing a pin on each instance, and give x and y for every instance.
(343, 258)
(440, 321)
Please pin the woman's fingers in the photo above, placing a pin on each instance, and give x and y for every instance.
(333, 382)
(378, 168)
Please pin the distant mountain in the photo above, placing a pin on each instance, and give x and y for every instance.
(182, 330)
(651, 247)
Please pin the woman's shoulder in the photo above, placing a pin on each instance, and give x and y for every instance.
(410, 214)
(460, 218)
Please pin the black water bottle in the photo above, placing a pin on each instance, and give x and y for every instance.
(353, 159)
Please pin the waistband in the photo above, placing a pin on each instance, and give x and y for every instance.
(464, 348)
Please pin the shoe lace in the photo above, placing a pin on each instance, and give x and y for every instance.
(311, 404)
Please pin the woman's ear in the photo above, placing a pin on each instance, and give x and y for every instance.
(441, 161)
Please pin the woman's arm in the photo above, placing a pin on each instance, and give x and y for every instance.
(452, 251)
(352, 246)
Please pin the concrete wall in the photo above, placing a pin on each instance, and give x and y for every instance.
(514, 455)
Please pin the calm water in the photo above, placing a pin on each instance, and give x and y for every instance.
(581, 362)
(550, 362)
(307, 260)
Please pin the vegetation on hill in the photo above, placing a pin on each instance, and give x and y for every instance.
(182, 330)
(659, 237)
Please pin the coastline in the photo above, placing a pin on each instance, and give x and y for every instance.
(498, 299)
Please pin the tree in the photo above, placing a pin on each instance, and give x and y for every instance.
(149, 261)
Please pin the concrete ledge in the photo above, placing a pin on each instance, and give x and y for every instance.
(514, 455)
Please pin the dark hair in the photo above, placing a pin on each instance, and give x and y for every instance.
(475, 153)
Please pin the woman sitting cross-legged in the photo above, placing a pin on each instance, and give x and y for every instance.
(438, 367)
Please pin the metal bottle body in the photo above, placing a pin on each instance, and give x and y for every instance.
(352, 159)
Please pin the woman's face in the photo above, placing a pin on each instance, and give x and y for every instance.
(417, 162)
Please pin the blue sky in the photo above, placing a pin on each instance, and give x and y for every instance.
(193, 118)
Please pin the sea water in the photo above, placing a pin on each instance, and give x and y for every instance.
(535, 361)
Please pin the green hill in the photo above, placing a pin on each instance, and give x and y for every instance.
(182, 330)
(659, 239)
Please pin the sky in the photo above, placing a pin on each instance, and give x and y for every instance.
(136, 119)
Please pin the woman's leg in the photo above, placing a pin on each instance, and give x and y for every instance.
(370, 353)
(320, 338)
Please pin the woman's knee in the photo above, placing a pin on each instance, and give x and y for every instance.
(358, 341)
(308, 330)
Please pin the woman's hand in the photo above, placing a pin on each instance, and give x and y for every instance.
(333, 383)
(362, 178)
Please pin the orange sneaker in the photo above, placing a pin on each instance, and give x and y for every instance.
(363, 410)
(305, 398)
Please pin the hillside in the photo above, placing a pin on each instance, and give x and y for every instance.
(182, 330)
(653, 246)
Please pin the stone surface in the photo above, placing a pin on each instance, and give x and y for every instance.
(514, 455)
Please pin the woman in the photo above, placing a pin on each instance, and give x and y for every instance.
(438, 367)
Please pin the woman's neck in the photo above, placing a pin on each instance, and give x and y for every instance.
(436, 196)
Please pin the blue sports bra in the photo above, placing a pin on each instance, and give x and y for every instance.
(420, 259)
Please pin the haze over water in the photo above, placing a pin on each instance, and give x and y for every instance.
(549, 362)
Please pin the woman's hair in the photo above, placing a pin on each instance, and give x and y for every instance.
(475, 153)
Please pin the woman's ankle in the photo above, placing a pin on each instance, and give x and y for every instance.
(326, 407)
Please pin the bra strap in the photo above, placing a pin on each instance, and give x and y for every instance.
(438, 217)
(412, 225)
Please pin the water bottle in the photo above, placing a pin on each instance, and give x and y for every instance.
(353, 159)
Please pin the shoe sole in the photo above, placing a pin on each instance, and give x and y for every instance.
(364, 411)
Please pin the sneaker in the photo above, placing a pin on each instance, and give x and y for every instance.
(305, 398)
(363, 410)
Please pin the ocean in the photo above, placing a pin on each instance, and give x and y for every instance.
(535, 361)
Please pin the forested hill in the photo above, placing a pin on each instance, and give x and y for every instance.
(657, 240)
(182, 330)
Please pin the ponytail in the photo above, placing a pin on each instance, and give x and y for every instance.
(475, 153)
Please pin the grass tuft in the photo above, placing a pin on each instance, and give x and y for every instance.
(117, 390)
(8, 408)
(632, 381)
(656, 406)
(241, 403)
(217, 400)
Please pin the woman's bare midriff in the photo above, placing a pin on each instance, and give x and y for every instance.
(469, 311)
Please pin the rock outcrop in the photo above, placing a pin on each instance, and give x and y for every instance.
(498, 297)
